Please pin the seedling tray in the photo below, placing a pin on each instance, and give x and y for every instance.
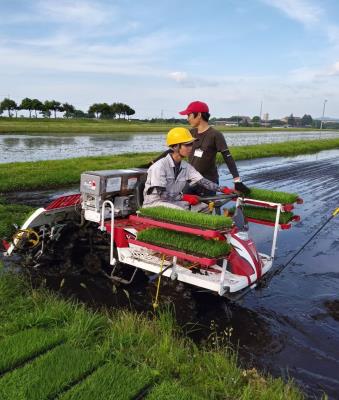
(273, 196)
(186, 243)
(187, 218)
(174, 253)
(207, 233)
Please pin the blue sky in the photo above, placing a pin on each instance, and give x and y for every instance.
(157, 56)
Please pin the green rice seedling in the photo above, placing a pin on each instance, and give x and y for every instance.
(16, 349)
(185, 242)
(264, 214)
(171, 390)
(22, 307)
(79, 326)
(273, 196)
(113, 381)
(49, 374)
(183, 217)
(123, 338)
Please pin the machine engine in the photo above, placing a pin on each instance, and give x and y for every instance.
(122, 187)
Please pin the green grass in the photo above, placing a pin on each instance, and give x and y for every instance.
(112, 381)
(120, 338)
(16, 349)
(48, 374)
(171, 391)
(60, 125)
(80, 126)
(185, 242)
(273, 196)
(265, 214)
(189, 218)
(60, 173)
(12, 214)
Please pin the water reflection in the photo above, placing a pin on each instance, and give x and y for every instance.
(116, 138)
(47, 142)
(11, 141)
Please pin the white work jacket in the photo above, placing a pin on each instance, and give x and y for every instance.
(161, 174)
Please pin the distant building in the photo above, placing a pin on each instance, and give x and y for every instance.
(292, 121)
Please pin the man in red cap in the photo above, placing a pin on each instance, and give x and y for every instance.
(209, 142)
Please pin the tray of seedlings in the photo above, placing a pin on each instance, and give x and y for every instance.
(275, 197)
(206, 225)
(260, 206)
(185, 246)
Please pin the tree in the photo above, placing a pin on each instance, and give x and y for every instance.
(69, 110)
(26, 104)
(95, 109)
(46, 113)
(52, 105)
(9, 105)
(119, 109)
(80, 114)
(37, 106)
(105, 111)
(306, 120)
(256, 119)
(130, 111)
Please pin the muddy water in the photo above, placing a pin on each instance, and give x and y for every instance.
(33, 147)
(290, 329)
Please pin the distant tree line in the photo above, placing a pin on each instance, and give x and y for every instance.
(106, 111)
(49, 107)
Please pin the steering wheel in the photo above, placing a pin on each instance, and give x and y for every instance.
(30, 237)
(220, 198)
(217, 201)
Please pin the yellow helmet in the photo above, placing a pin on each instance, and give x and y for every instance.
(179, 135)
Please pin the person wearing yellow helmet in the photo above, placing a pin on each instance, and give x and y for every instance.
(168, 176)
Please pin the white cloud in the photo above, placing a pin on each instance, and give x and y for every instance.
(178, 76)
(303, 11)
(75, 11)
(188, 81)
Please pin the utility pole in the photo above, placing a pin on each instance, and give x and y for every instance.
(162, 114)
(260, 110)
(322, 118)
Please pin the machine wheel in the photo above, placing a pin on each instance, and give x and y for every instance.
(92, 263)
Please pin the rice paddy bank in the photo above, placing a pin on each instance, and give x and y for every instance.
(61, 173)
(52, 348)
(73, 126)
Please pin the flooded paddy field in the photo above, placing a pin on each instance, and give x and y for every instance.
(290, 329)
(34, 147)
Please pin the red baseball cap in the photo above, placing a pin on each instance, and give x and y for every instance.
(195, 107)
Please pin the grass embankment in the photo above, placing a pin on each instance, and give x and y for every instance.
(60, 173)
(192, 244)
(183, 217)
(73, 353)
(74, 126)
